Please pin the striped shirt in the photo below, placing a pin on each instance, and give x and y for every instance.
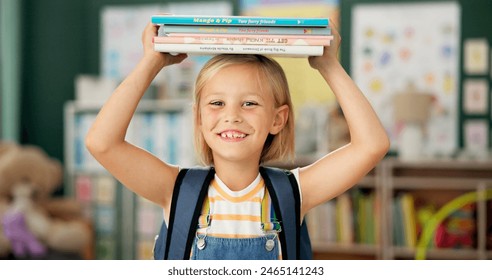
(234, 214)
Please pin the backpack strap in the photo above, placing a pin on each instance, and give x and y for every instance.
(174, 242)
(306, 249)
(282, 188)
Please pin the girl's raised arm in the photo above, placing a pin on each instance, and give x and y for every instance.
(341, 169)
(135, 168)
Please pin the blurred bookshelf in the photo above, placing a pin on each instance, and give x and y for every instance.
(433, 186)
(385, 213)
(124, 224)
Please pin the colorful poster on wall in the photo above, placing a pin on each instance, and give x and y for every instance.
(475, 96)
(418, 44)
(475, 56)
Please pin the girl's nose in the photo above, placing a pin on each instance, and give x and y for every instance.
(232, 115)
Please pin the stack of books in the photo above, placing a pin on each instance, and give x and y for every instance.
(275, 36)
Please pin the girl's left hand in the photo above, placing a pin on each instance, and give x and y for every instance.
(329, 53)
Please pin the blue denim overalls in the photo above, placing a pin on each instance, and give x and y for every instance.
(265, 247)
(217, 248)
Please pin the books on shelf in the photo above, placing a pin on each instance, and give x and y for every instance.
(274, 36)
(351, 218)
(344, 219)
(407, 205)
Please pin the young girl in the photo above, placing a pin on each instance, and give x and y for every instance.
(243, 117)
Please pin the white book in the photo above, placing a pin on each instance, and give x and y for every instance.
(207, 49)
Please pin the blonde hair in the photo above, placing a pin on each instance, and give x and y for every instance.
(270, 73)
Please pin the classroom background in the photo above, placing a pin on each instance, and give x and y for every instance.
(425, 66)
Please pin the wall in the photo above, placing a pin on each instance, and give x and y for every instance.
(53, 52)
(10, 69)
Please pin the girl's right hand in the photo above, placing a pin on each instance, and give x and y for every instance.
(166, 59)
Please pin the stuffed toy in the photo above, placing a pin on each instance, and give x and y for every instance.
(33, 222)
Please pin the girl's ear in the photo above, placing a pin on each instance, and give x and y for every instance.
(281, 117)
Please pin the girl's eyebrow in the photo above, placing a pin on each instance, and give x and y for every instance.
(254, 95)
(220, 94)
(213, 95)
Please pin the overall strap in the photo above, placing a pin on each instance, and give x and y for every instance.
(269, 220)
(286, 201)
(186, 205)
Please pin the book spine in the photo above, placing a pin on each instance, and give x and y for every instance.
(246, 40)
(240, 49)
(215, 29)
(231, 20)
(409, 224)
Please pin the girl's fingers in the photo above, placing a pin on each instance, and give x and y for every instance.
(174, 59)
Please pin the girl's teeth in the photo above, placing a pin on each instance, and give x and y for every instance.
(232, 135)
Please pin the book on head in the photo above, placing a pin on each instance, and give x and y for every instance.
(239, 39)
(165, 29)
(238, 20)
(273, 50)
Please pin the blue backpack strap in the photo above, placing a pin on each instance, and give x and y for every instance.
(294, 238)
(174, 242)
(160, 239)
(306, 249)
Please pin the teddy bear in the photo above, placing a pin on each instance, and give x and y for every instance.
(34, 222)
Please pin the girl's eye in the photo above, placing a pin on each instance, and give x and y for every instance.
(249, 103)
(217, 103)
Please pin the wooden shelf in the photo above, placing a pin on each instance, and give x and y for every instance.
(436, 181)
(143, 106)
(455, 254)
(358, 249)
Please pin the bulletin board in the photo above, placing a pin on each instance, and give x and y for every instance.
(442, 47)
(398, 45)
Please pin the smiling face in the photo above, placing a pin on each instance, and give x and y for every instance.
(237, 114)
(243, 101)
